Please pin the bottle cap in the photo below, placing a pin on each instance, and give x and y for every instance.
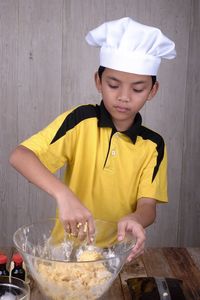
(17, 258)
(3, 259)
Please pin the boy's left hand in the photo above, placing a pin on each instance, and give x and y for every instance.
(133, 227)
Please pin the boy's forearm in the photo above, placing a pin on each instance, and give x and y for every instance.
(145, 213)
(27, 163)
(71, 211)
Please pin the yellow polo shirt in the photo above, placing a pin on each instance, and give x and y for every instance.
(107, 170)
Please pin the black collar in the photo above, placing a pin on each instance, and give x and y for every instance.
(106, 121)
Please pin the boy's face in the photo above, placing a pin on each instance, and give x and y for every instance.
(124, 94)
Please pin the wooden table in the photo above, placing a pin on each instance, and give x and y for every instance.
(181, 263)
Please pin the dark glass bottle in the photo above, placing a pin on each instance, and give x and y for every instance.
(18, 270)
(3, 269)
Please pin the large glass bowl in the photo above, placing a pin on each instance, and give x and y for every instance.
(66, 268)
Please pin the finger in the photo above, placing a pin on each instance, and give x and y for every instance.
(90, 229)
(140, 239)
(82, 230)
(139, 244)
(79, 225)
(121, 231)
(74, 229)
(135, 255)
(67, 228)
(137, 249)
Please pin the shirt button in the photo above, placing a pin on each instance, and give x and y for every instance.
(113, 152)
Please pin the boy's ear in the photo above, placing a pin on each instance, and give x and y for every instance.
(97, 81)
(153, 91)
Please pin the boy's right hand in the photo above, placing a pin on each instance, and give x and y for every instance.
(72, 212)
(75, 217)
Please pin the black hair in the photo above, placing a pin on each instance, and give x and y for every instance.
(101, 69)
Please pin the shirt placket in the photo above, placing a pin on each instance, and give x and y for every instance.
(112, 153)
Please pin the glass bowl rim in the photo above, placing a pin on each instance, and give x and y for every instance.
(11, 281)
(66, 261)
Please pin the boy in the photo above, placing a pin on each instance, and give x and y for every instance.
(116, 168)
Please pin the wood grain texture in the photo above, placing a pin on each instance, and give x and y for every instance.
(131, 270)
(155, 263)
(8, 115)
(39, 94)
(189, 211)
(47, 67)
(79, 61)
(185, 269)
(115, 292)
(166, 113)
(195, 255)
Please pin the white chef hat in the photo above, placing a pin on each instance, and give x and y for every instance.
(131, 47)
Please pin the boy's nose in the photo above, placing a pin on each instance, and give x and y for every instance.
(124, 95)
(123, 99)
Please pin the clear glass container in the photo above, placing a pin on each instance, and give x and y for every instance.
(66, 268)
(13, 289)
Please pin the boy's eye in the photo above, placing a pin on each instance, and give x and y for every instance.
(137, 91)
(113, 86)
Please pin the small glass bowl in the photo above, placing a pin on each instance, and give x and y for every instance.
(12, 288)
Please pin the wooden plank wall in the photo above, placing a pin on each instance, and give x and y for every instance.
(46, 67)
(189, 210)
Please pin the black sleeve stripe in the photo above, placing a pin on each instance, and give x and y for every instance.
(75, 117)
(148, 134)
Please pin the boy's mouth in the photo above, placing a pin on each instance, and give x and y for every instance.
(121, 109)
